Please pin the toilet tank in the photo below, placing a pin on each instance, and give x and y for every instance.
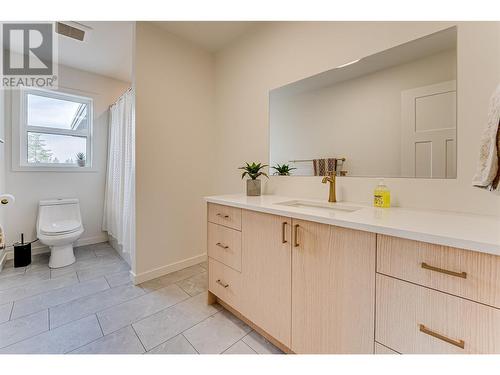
(57, 210)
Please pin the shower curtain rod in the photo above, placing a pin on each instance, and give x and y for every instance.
(127, 90)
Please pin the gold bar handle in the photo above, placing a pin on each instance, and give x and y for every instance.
(462, 275)
(223, 216)
(427, 331)
(221, 283)
(222, 245)
(283, 232)
(296, 232)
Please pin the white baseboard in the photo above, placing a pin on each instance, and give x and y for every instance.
(92, 240)
(40, 248)
(169, 268)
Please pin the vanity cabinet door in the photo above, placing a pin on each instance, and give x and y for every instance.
(333, 289)
(266, 273)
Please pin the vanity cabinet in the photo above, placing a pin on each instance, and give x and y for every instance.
(416, 320)
(318, 288)
(467, 274)
(309, 287)
(434, 299)
(225, 283)
(266, 273)
(333, 289)
(224, 245)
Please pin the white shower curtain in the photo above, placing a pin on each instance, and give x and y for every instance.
(119, 202)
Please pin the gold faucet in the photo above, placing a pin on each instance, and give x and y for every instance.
(331, 179)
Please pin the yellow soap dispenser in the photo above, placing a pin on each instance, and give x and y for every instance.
(382, 195)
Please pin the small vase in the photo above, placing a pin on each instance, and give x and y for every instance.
(253, 188)
(81, 163)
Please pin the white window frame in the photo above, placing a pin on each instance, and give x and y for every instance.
(24, 128)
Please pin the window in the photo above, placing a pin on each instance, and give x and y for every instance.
(55, 129)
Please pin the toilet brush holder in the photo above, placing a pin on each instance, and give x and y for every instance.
(22, 253)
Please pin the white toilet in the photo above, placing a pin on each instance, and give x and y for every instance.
(58, 226)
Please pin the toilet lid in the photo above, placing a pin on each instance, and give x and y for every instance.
(60, 227)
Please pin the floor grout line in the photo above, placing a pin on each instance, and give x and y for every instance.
(46, 280)
(100, 326)
(247, 335)
(182, 332)
(27, 338)
(225, 350)
(90, 342)
(173, 282)
(180, 286)
(44, 292)
(21, 285)
(24, 316)
(62, 303)
(146, 292)
(241, 340)
(138, 338)
(147, 316)
(190, 343)
(107, 282)
(131, 324)
(111, 262)
(105, 276)
(11, 311)
(111, 306)
(108, 307)
(201, 321)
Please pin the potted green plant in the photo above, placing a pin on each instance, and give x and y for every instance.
(80, 159)
(253, 171)
(282, 170)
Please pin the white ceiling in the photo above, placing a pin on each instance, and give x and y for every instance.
(108, 50)
(211, 35)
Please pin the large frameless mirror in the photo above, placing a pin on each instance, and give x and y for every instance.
(392, 114)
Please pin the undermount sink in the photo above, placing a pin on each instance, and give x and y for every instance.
(320, 205)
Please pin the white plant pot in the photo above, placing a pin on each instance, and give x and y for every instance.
(81, 163)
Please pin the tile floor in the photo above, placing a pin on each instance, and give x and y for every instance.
(92, 307)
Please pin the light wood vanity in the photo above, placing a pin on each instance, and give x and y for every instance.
(312, 287)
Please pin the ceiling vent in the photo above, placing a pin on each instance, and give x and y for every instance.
(73, 30)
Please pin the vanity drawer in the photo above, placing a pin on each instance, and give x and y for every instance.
(413, 319)
(225, 215)
(224, 245)
(464, 273)
(224, 282)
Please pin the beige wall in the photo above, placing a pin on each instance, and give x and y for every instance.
(359, 119)
(174, 165)
(280, 53)
(31, 187)
(199, 117)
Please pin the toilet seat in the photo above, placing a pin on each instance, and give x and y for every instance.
(60, 227)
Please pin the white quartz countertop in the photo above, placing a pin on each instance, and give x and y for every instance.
(467, 231)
